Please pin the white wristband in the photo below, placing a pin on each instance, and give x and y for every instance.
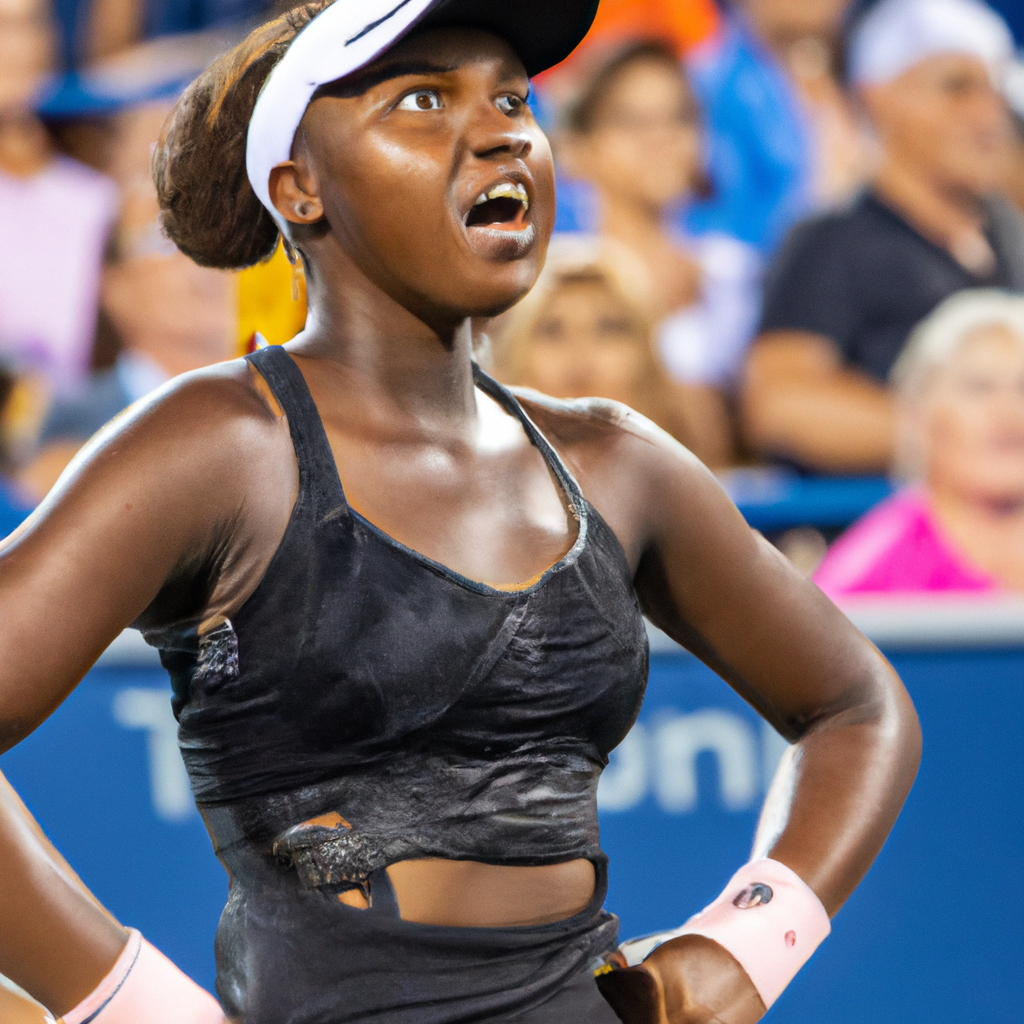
(767, 917)
(144, 987)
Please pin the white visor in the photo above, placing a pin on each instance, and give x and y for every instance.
(895, 35)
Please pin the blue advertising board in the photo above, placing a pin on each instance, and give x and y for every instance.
(933, 934)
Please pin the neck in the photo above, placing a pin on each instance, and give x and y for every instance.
(398, 364)
(941, 213)
(24, 145)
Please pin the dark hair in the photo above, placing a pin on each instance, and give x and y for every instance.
(581, 114)
(208, 207)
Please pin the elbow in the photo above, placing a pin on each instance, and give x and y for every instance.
(894, 726)
(906, 728)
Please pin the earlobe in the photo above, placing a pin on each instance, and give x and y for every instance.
(290, 198)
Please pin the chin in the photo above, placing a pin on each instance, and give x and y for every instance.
(497, 292)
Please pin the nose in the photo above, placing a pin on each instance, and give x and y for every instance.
(494, 135)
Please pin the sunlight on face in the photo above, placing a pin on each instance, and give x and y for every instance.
(586, 343)
(973, 419)
(645, 144)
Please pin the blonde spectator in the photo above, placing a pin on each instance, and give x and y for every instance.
(587, 329)
(634, 134)
(55, 215)
(959, 522)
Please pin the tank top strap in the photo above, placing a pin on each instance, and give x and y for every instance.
(319, 484)
(510, 403)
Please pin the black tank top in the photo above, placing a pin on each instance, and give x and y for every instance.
(437, 716)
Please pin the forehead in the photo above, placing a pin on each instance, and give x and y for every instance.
(990, 339)
(648, 78)
(438, 50)
(940, 65)
(994, 348)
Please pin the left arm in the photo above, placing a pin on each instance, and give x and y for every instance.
(722, 591)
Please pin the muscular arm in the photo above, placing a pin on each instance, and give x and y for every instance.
(727, 595)
(141, 509)
(721, 590)
(799, 401)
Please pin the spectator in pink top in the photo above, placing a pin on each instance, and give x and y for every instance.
(959, 524)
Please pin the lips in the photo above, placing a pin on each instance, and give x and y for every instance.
(502, 206)
(497, 224)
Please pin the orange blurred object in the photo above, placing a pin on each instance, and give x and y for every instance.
(683, 23)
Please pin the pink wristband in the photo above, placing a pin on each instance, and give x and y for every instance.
(768, 918)
(144, 987)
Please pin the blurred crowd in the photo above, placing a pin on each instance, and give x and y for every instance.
(789, 232)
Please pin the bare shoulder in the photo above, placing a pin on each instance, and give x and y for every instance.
(192, 454)
(638, 477)
(204, 405)
(601, 436)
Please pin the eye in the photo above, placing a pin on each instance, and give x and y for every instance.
(422, 99)
(509, 104)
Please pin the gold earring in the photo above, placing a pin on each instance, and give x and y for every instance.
(298, 271)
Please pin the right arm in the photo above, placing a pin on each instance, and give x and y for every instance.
(799, 401)
(134, 524)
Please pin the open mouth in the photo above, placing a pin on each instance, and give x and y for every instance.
(503, 207)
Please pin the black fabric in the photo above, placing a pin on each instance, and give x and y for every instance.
(424, 714)
(286, 955)
(863, 277)
(543, 33)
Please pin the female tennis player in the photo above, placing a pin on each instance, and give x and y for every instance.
(401, 606)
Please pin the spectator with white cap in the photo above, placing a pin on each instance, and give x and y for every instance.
(848, 287)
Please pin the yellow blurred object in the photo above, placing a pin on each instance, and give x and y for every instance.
(23, 413)
(265, 302)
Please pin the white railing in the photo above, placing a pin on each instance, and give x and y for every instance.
(925, 621)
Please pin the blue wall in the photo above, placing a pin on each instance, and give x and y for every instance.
(932, 935)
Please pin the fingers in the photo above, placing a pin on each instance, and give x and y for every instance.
(633, 993)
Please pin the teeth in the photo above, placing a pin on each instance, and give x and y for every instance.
(506, 190)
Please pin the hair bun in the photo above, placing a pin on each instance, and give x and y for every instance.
(208, 208)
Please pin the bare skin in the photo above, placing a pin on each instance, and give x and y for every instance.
(945, 134)
(179, 509)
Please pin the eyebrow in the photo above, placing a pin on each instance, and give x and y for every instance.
(362, 82)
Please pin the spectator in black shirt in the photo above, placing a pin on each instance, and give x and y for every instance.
(847, 287)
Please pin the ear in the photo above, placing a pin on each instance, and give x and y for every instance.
(293, 194)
